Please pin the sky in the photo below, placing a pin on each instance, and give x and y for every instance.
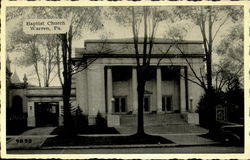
(117, 31)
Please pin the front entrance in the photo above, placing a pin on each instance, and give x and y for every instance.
(120, 104)
(146, 104)
(167, 104)
(46, 113)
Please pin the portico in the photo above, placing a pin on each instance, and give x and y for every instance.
(158, 96)
(109, 85)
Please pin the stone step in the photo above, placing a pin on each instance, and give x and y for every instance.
(153, 119)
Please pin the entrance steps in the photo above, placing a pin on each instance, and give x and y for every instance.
(153, 119)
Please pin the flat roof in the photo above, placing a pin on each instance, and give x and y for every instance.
(140, 40)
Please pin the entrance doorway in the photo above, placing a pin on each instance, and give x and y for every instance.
(46, 113)
(146, 104)
(120, 104)
(167, 104)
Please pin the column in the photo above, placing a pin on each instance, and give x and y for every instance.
(182, 91)
(158, 90)
(31, 115)
(60, 118)
(109, 89)
(134, 90)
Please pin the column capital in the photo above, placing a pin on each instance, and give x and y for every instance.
(183, 67)
(109, 67)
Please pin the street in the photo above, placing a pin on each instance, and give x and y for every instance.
(191, 149)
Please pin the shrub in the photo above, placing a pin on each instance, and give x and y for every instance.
(206, 107)
(232, 99)
(100, 120)
(80, 120)
(235, 103)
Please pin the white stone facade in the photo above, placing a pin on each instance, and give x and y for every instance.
(109, 84)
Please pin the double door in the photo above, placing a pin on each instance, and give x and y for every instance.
(120, 104)
(46, 113)
(167, 104)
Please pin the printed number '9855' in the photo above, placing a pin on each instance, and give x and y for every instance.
(23, 140)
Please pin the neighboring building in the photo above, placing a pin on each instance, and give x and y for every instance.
(109, 85)
(39, 106)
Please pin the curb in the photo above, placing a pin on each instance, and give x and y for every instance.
(128, 146)
(103, 135)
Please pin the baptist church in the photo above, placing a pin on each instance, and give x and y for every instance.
(108, 85)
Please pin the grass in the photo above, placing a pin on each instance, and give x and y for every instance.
(88, 130)
(105, 140)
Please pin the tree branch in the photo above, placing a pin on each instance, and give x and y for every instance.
(135, 36)
(218, 29)
(194, 73)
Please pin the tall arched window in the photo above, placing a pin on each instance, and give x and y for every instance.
(17, 105)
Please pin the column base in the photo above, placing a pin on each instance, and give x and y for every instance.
(113, 120)
(184, 111)
(159, 111)
(134, 112)
(91, 120)
(191, 118)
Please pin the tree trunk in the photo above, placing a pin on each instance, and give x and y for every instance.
(58, 64)
(140, 91)
(37, 74)
(209, 53)
(209, 72)
(68, 121)
(36, 64)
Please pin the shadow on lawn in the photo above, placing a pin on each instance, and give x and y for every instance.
(70, 136)
(87, 130)
(105, 140)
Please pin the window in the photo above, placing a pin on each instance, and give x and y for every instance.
(146, 104)
(120, 104)
(167, 103)
(17, 106)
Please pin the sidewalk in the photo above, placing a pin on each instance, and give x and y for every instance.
(30, 139)
(164, 129)
(181, 140)
(188, 137)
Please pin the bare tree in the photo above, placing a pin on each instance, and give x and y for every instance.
(210, 20)
(79, 18)
(27, 46)
(34, 50)
(147, 20)
(90, 20)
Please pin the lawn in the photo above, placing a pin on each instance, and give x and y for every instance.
(88, 130)
(104, 140)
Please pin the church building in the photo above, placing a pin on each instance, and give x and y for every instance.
(108, 85)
